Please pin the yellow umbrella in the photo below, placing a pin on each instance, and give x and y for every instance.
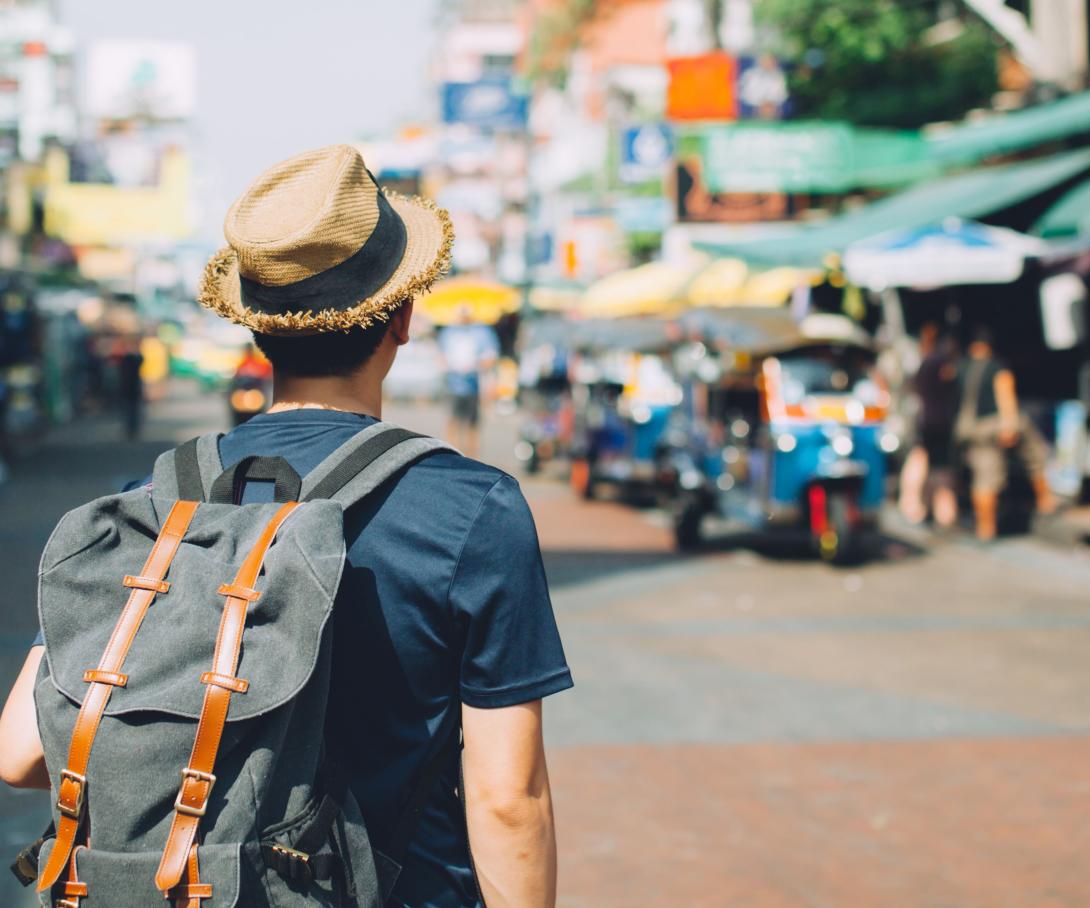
(729, 282)
(485, 301)
(718, 284)
(775, 287)
(651, 289)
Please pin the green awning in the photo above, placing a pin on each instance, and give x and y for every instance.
(976, 194)
(1004, 133)
(1069, 217)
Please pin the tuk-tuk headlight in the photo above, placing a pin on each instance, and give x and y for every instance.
(786, 442)
(843, 445)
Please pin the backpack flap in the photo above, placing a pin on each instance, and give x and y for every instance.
(127, 879)
(81, 593)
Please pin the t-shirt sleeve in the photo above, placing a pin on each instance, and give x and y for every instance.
(511, 649)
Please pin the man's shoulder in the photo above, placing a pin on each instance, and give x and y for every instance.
(456, 472)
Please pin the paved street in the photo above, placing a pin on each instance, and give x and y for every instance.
(747, 730)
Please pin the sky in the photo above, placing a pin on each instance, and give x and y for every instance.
(272, 84)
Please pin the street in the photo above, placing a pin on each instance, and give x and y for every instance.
(748, 729)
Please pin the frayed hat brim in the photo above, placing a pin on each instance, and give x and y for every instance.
(430, 237)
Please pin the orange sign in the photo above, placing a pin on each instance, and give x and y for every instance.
(702, 88)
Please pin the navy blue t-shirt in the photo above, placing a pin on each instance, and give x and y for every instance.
(443, 600)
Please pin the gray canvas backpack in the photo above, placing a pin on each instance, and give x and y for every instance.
(182, 698)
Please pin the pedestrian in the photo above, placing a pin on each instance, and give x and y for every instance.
(443, 610)
(927, 478)
(130, 387)
(990, 426)
(468, 349)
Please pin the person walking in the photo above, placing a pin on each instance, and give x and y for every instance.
(990, 425)
(927, 478)
(468, 350)
(443, 610)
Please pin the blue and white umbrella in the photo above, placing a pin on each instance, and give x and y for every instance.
(940, 255)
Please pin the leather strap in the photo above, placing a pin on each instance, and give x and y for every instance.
(72, 786)
(190, 893)
(197, 777)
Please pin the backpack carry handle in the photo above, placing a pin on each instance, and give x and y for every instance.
(227, 489)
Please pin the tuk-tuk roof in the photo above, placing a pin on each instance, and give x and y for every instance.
(635, 335)
(765, 332)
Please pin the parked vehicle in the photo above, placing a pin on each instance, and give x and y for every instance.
(249, 391)
(544, 395)
(624, 394)
(787, 431)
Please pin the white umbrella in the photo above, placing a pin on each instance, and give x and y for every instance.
(950, 253)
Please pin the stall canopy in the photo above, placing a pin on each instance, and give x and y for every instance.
(1068, 218)
(950, 253)
(971, 142)
(975, 194)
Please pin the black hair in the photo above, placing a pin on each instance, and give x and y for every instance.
(332, 353)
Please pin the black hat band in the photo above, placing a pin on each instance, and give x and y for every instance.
(344, 285)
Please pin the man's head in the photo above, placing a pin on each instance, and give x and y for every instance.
(338, 353)
(323, 266)
(982, 342)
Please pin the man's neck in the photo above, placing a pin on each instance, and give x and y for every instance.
(354, 394)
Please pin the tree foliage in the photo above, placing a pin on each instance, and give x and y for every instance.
(881, 62)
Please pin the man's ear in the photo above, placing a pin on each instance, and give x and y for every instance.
(399, 323)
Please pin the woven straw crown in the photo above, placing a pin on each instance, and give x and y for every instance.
(313, 229)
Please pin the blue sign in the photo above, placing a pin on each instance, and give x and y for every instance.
(487, 104)
(645, 152)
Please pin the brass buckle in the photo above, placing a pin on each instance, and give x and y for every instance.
(73, 813)
(198, 776)
(291, 853)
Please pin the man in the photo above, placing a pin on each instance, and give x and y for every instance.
(929, 465)
(468, 350)
(443, 604)
(990, 424)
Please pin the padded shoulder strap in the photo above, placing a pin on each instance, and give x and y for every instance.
(366, 461)
(188, 471)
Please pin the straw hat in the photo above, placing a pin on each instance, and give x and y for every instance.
(315, 245)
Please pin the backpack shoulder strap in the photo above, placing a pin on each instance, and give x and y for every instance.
(365, 461)
(188, 471)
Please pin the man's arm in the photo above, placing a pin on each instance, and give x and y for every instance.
(22, 763)
(509, 806)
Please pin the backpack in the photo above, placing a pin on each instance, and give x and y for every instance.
(182, 704)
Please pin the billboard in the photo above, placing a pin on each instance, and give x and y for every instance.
(129, 79)
(492, 103)
(702, 88)
(762, 88)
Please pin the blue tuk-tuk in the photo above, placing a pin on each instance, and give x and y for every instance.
(623, 394)
(787, 430)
